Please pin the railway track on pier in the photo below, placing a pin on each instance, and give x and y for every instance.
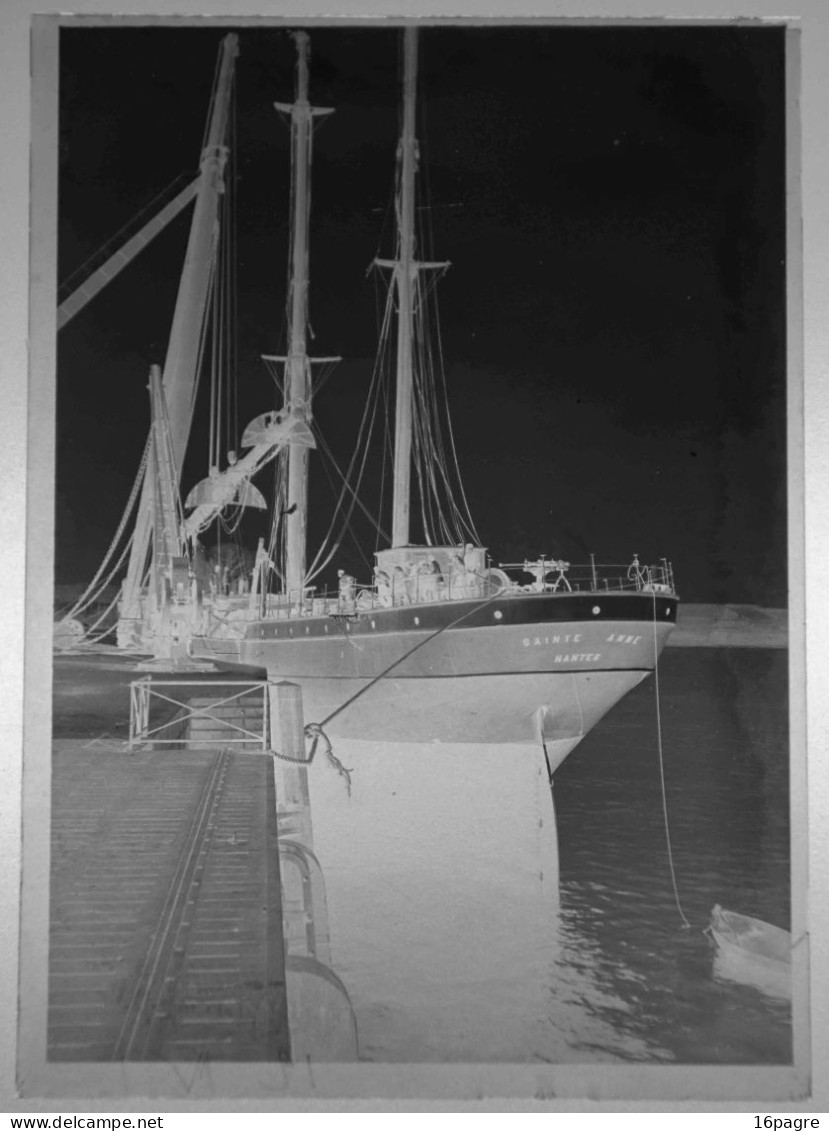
(165, 920)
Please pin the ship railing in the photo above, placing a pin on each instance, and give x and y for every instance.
(556, 575)
(544, 575)
(422, 589)
(415, 590)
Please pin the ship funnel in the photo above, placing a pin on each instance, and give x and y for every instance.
(278, 428)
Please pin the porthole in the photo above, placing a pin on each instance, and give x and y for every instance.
(596, 610)
(373, 625)
(499, 615)
(417, 620)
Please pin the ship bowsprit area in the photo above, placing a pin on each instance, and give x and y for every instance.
(165, 920)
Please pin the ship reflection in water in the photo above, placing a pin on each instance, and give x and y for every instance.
(431, 917)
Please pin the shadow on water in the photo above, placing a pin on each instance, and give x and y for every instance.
(442, 887)
(460, 931)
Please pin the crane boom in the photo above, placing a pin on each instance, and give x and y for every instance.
(124, 255)
(181, 363)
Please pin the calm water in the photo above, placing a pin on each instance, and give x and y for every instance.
(725, 740)
(463, 929)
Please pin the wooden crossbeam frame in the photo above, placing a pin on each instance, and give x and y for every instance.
(144, 691)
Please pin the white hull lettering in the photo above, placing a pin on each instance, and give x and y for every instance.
(619, 638)
(541, 641)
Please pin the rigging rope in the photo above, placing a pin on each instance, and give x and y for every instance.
(352, 491)
(685, 923)
(276, 552)
(91, 593)
(460, 527)
(449, 469)
(215, 389)
(88, 637)
(202, 343)
(361, 446)
(465, 517)
(384, 463)
(75, 612)
(222, 376)
(232, 287)
(315, 730)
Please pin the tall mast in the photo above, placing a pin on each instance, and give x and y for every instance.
(405, 277)
(297, 363)
(181, 363)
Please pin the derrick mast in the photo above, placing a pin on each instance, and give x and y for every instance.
(182, 361)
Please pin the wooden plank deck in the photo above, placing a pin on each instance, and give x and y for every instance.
(165, 917)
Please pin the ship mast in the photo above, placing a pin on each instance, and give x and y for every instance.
(298, 384)
(406, 275)
(405, 278)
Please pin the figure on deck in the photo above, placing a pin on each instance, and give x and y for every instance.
(457, 576)
(348, 591)
(400, 586)
(464, 580)
(430, 581)
(470, 566)
(383, 585)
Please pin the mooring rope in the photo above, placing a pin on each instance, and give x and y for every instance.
(405, 656)
(315, 731)
(685, 923)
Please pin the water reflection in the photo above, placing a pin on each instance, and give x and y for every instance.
(320, 1015)
(437, 898)
(440, 907)
(727, 789)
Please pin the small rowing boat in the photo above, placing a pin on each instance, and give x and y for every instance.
(751, 951)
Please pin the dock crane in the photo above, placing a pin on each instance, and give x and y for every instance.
(159, 600)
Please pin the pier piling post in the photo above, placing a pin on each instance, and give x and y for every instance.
(287, 721)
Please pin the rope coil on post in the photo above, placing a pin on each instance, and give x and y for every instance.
(315, 732)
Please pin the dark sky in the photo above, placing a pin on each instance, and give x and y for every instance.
(613, 325)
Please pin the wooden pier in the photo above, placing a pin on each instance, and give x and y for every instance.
(165, 921)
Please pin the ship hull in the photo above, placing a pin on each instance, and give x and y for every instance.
(514, 670)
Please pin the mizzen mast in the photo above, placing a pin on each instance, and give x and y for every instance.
(406, 272)
(405, 276)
